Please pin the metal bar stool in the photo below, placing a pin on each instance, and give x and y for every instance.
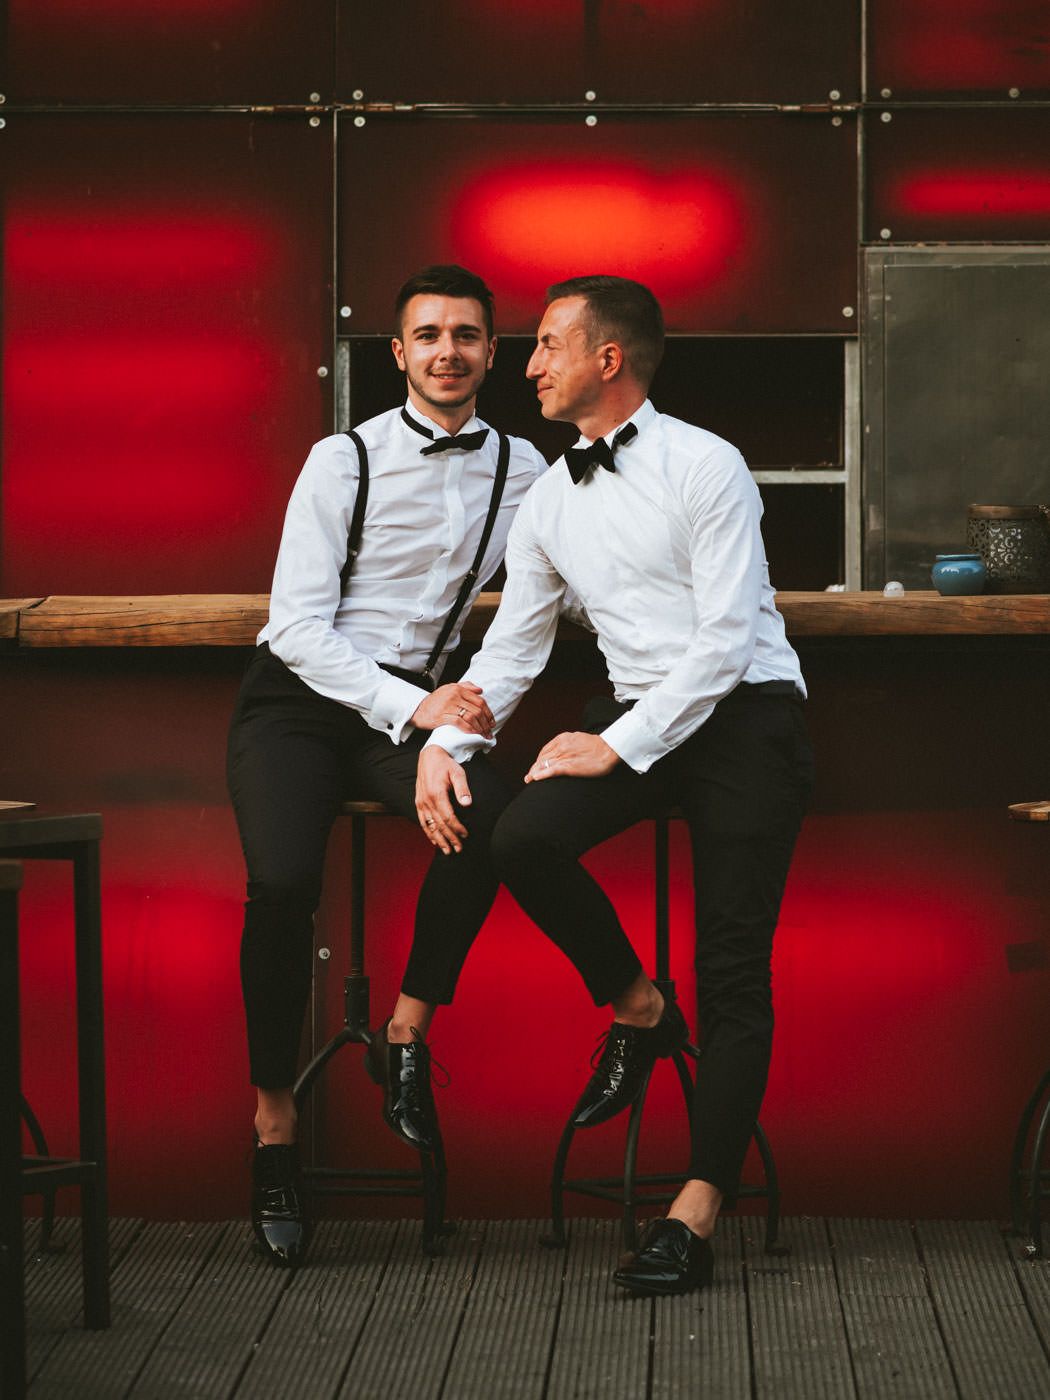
(1030, 1176)
(624, 1190)
(429, 1182)
(76, 838)
(12, 1280)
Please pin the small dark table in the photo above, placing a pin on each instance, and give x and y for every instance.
(31, 835)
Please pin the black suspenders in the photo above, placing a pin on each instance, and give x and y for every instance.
(353, 543)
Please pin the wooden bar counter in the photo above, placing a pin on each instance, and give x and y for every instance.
(234, 619)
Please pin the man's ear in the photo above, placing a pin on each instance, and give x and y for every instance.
(611, 359)
(492, 351)
(399, 353)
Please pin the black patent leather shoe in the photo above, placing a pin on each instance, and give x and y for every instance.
(628, 1055)
(278, 1203)
(403, 1073)
(669, 1259)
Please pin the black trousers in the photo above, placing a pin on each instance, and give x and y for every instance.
(743, 780)
(293, 758)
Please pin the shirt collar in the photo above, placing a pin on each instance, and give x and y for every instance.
(641, 418)
(472, 425)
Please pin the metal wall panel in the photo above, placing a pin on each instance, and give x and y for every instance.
(167, 307)
(210, 52)
(739, 223)
(649, 51)
(958, 48)
(958, 176)
(957, 361)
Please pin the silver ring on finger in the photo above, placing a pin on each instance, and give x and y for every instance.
(546, 763)
(461, 711)
(430, 821)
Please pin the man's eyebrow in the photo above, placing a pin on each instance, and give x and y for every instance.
(548, 338)
(456, 330)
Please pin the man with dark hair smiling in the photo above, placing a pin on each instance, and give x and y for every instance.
(654, 524)
(390, 533)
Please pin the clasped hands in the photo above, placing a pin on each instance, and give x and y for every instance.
(570, 755)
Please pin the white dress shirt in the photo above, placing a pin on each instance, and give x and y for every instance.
(422, 527)
(666, 556)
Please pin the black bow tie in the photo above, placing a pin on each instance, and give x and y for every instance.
(467, 442)
(580, 460)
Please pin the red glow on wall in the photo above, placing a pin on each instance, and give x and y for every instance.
(1002, 193)
(673, 230)
(943, 46)
(128, 245)
(160, 349)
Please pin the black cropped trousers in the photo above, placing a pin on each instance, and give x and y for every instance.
(293, 757)
(743, 780)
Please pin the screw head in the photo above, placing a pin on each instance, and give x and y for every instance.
(1014, 92)
(886, 92)
(359, 121)
(358, 94)
(324, 954)
(590, 95)
(322, 371)
(2, 123)
(344, 311)
(315, 121)
(886, 116)
(3, 99)
(885, 233)
(847, 311)
(834, 94)
(315, 97)
(836, 121)
(592, 120)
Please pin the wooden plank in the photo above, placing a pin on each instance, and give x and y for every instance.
(701, 1341)
(149, 1284)
(601, 1350)
(210, 1338)
(988, 1330)
(234, 619)
(504, 1345)
(411, 1333)
(919, 613)
(54, 1281)
(310, 1340)
(894, 1340)
(800, 1346)
(177, 619)
(11, 610)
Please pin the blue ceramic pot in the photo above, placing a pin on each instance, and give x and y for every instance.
(956, 574)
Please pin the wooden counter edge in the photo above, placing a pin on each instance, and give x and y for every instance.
(234, 619)
(11, 612)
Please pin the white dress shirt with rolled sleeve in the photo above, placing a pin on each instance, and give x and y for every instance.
(666, 556)
(422, 527)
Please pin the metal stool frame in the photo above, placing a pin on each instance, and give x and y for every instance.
(1030, 1185)
(40, 836)
(624, 1190)
(430, 1181)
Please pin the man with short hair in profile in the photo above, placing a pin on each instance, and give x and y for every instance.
(654, 524)
(390, 533)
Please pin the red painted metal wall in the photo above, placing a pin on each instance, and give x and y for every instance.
(198, 201)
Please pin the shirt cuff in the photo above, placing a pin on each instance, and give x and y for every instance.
(634, 743)
(395, 703)
(459, 745)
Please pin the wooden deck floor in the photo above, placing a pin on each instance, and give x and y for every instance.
(858, 1308)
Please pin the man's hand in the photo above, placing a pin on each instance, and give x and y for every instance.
(460, 704)
(573, 756)
(437, 775)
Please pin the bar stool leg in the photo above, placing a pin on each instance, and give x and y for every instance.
(1019, 1208)
(12, 1263)
(92, 1082)
(40, 1147)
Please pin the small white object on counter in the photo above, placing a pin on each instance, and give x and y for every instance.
(893, 589)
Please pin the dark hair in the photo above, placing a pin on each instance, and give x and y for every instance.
(621, 310)
(445, 280)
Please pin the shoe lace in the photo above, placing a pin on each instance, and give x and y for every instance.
(435, 1064)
